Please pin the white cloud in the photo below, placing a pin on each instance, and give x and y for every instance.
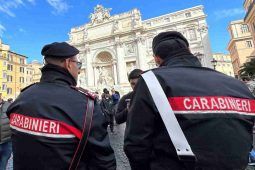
(59, 5)
(2, 29)
(225, 13)
(6, 6)
(22, 30)
(31, 1)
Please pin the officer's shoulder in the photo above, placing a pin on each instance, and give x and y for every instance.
(156, 69)
(85, 92)
(25, 88)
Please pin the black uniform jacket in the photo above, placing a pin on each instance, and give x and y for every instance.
(46, 121)
(5, 130)
(215, 112)
(122, 111)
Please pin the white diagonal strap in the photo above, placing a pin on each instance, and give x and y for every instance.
(174, 130)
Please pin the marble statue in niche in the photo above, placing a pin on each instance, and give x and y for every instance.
(104, 76)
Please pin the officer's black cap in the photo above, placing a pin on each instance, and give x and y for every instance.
(61, 50)
(174, 38)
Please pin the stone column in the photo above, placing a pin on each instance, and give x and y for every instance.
(95, 75)
(115, 74)
(205, 45)
(141, 53)
(121, 64)
(90, 74)
(82, 76)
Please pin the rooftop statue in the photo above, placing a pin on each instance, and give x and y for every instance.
(100, 14)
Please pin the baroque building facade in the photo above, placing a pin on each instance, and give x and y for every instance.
(249, 6)
(224, 64)
(241, 44)
(111, 46)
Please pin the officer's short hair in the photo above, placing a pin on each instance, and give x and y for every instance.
(169, 43)
(134, 74)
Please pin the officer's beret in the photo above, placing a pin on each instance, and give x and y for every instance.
(174, 38)
(59, 50)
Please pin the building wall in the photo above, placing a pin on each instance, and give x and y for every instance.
(35, 67)
(15, 73)
(3, 76)
(241, 45)
(111, 46)
(224, 64)
(29, 75)
(16, 65)
(249, 19)
(3, 68)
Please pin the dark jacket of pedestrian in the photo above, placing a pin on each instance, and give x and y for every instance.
(107, 105)
(47, 119)
(122, 110)
(5, 130)
(215, 112)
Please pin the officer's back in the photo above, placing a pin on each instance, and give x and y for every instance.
(47, 118)
(214, 111)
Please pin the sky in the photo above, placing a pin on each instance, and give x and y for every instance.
(27, 25)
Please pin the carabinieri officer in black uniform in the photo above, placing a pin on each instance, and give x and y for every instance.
(48, 119)
(215, 112)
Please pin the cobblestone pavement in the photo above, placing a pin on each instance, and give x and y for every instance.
(117, 140)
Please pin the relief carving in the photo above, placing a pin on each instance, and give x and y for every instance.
(130, 48)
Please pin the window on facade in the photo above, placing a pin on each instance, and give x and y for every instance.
(9, 57)
(9, 67)
(4, 87)
(167, 19)
(21, 61)
(249, 44)
(21, 80)
(21, 69)
(148, 23)
(188, 14)
(4, 75)
(9, 78)
(192, 34)
(5, 63)
(244, 28)
(9, 90)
